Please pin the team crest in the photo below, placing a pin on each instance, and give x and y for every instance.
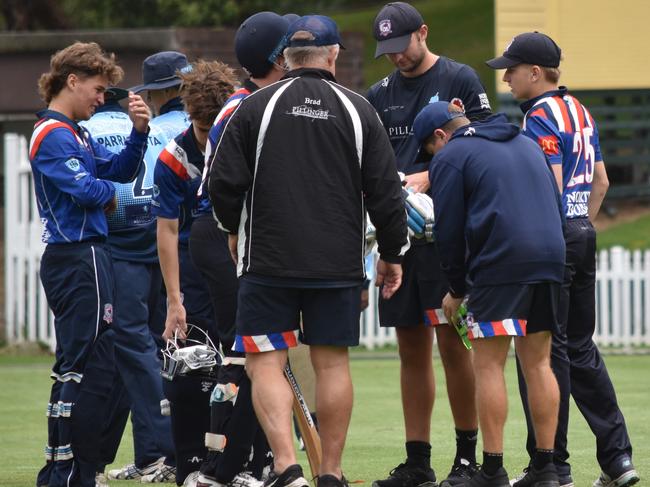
(458, 102)
(73, 164)
(385, 28)
(108, 313)
(509, 44)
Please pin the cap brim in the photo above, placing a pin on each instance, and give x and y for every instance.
(156, 85)
(422, 156)
(117, 93)
(502, 62)
(392, 46)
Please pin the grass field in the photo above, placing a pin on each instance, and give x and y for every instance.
(632, 235)
(375, 441)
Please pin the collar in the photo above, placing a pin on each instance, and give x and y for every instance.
(173, 105)
(313, 72)
(528, 104)
(60, 117)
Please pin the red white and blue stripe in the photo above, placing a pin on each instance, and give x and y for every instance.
(487, 329)
(266, 343)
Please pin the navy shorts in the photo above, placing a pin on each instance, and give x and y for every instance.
(419, 299)
(274, 318)
(513, 309)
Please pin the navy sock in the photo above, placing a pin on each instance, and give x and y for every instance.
(492, 462)
(418, 454)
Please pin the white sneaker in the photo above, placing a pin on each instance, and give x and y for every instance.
(164, 473)
(131, 472)
(100, 480)
(245, 479)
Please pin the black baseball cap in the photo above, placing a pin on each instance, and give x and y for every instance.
(393, 27)
(160, 71)
(258, 42)
(529, 48)
(115, 93)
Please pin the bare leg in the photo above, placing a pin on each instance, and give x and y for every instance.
(534, 352)
(333, 403)
(417, 380)
(273, 399)
(489, 359)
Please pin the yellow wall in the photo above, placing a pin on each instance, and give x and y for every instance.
(605, 44)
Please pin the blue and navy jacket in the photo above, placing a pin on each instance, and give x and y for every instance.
(498, 212)
(177, 178)
(131, 227)
(568, 135)
(73, 174)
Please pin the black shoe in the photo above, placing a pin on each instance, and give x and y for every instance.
(623, 475)
(461, 472)
(291, 477)
(481, 479)
(331, 481)
(405, 475)
(546, 477)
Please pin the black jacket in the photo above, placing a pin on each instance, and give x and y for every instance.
(295, 169)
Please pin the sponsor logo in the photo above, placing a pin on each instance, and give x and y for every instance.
(309, 112)
(577, 204)
(469, 132)
(385, 28)
(434, 98)
(458, 102)
(206, 386)
(384, 82)
(549, 145)
(195, 459)
(73, 164)
(108, 313)
(483, 100)
(81, 175)
(400, 131)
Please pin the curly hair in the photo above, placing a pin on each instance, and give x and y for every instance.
(83, 59)
(205, 87)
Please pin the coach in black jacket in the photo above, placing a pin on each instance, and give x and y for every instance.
(296, 169)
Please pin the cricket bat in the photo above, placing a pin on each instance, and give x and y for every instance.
(305, 424)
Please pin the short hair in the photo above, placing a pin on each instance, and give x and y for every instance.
(552, 75)
(304, 55)
(205, 88)
(85, 59)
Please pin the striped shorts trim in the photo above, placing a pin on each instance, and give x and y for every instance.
(434, 317)
(266, 343)
(487, 329)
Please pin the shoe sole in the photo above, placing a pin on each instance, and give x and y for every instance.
(423, 484)
(627, 479)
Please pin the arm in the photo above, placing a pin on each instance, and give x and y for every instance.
(598, 190)
(60, 160)
(449, 226)
(546, 136)
(167, 235)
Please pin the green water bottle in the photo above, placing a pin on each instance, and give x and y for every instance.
(461, 325)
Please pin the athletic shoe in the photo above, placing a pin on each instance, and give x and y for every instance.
(131, 472)
(405, 475)
(164, 473)
(624, 477)
(565, 480)
(546, 477)
(291, 477)
(197, 479)
(460, 473)
(331, 481)
(245, 479)
(100, 480)
(481, 479)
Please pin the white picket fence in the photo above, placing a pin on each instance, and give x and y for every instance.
(622, 292)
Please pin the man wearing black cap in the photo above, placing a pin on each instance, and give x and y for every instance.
(421, 78)
(567, 133)
(300, 252)
(484, 238)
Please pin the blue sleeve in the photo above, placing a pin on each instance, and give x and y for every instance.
(168, 192)
(61, 161)
(546, 135)
(449, 227)
(124, 166)
(472, 93)
(596, 143)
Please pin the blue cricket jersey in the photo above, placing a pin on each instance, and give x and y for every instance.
(73, 174)
(568, 135)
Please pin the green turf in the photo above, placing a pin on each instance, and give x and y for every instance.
(375, 441)
(631, 235)
(462, 30)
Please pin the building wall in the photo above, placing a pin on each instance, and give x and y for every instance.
(604, 43)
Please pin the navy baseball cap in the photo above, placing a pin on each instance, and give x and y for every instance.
(393, 27)
(159, 71)
(324, 30)
(529, 48)
(291, 17)
(258, 42)
(433, 116)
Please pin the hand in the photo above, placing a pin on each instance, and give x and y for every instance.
(364, 299)
(111, 206)
(139, 112)
(419, 181)
(389, 276)
(450, 307)
(233, 239)
(175, 321)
